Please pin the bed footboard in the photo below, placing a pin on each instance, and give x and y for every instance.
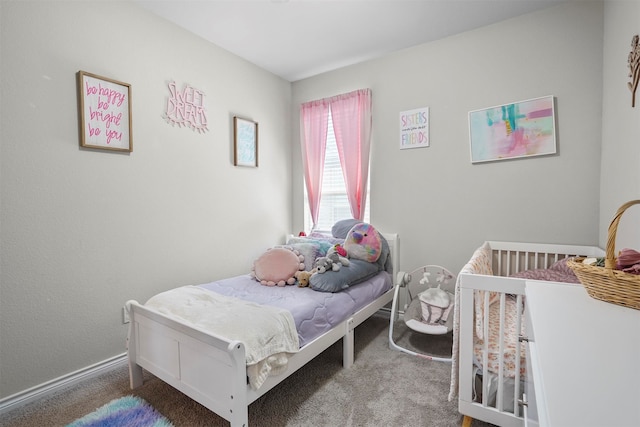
(209, 369)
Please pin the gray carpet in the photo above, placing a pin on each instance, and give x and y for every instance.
(383, 388)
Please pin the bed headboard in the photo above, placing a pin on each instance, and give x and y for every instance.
(394, 246)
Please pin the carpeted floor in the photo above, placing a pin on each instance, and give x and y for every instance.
(383, 388)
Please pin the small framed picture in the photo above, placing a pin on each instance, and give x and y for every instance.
(105, 113)
(414, 128)
(245, 142)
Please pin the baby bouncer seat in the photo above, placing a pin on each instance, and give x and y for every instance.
(430, 306)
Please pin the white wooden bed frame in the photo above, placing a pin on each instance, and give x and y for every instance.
(211, 369)
(507, 258)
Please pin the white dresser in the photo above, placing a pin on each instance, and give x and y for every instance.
(585, 359)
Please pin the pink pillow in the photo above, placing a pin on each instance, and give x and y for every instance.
(278, 266)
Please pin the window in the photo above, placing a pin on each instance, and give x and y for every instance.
(334, 205)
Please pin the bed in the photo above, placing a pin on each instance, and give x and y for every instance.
(213, 369)
(489, 361)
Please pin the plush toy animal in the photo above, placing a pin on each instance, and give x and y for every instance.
(363, 242)
(335, 261)
(338, 256)
(323, 264)
(303, 278)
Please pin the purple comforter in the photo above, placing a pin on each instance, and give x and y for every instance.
(314, 312)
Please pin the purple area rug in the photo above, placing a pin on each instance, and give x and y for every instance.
(127, 411)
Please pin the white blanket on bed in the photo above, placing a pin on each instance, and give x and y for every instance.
(268, 333)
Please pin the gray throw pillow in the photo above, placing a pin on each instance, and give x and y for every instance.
(342, 227)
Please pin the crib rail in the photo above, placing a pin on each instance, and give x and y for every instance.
(512, 257)
(476, 396)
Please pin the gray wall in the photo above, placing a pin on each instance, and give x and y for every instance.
(620, 173)
(442, 205)
(84, 231)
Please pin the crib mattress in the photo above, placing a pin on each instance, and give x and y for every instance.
(314, 312)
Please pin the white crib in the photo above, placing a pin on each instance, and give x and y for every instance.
(488, 374)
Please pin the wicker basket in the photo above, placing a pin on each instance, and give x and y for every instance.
(606, 283)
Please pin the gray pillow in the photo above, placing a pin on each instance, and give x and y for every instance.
(336, 281)
(342, 227)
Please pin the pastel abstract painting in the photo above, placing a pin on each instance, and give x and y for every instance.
(520, 129)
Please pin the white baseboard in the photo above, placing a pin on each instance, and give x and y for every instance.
(43, 390)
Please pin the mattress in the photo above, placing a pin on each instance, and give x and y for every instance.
(314, 312)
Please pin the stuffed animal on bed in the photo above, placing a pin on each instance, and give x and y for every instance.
(303, 278)
(322, 265)
(338, 256)
(363, 242)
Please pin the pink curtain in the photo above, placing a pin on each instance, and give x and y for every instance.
(314, 118)
(351, 114)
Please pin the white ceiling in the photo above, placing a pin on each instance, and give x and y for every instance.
(296, 39)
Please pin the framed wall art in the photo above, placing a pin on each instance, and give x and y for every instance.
(105, 113)
(245, 142)
(414, 128)
(509, 131)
